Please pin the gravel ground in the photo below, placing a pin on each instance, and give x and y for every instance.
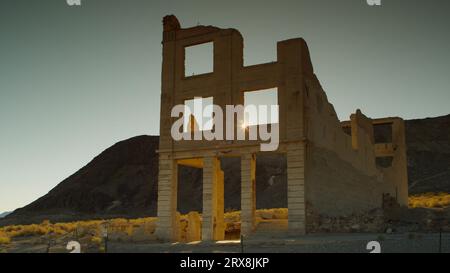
(330, 243)
(355, 243)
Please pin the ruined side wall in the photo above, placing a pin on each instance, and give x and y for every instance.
(340, 180)
(335, 188)
(396, 176)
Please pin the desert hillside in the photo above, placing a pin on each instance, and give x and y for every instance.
(428, 142)
(122, 180)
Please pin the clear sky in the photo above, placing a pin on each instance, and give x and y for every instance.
(75, 80)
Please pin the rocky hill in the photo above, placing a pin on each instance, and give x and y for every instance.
(122, 180)
(4, 214)
(428, 142)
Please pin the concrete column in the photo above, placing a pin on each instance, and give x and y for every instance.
(213, 207)
(296, 188)
(219, 231)
(167, 227)
(400, 161)
(248, 193)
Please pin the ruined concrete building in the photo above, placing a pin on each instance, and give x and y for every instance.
(331, 165)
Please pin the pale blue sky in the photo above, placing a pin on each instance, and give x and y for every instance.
(75, 80)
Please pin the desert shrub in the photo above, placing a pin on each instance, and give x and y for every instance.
(148, 225)
(92, 229)
(4, 238)
(118, 222)
(277, 213)
(58, 230)
(430, 200)
(27, 230)
(233, 216)
(280, 213)
(96, 240)
(62, 228)
(88, 228)
(129, 230)
(143, 221)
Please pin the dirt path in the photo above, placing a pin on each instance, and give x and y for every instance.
(355, 243)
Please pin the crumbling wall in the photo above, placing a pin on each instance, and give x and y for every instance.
(335, 187)
(226, 84)
(396, 176)
(331, 172)
(341, 179)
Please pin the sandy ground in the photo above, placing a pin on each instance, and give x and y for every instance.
(355, 243)
(330, 243)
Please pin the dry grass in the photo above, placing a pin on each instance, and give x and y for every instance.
(81, 228)
(278, 213)
(92, 229)
(430, 200)
(96, 240)
(4, 238)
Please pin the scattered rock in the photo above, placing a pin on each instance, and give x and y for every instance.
(356, 227)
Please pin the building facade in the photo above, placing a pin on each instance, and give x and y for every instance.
(331, 165)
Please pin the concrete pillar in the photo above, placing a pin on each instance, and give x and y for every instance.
(219, 232)
(176, 227)
(213, 207)
(248, 193)
(296, 188)
(400, 161)
(167, 199)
